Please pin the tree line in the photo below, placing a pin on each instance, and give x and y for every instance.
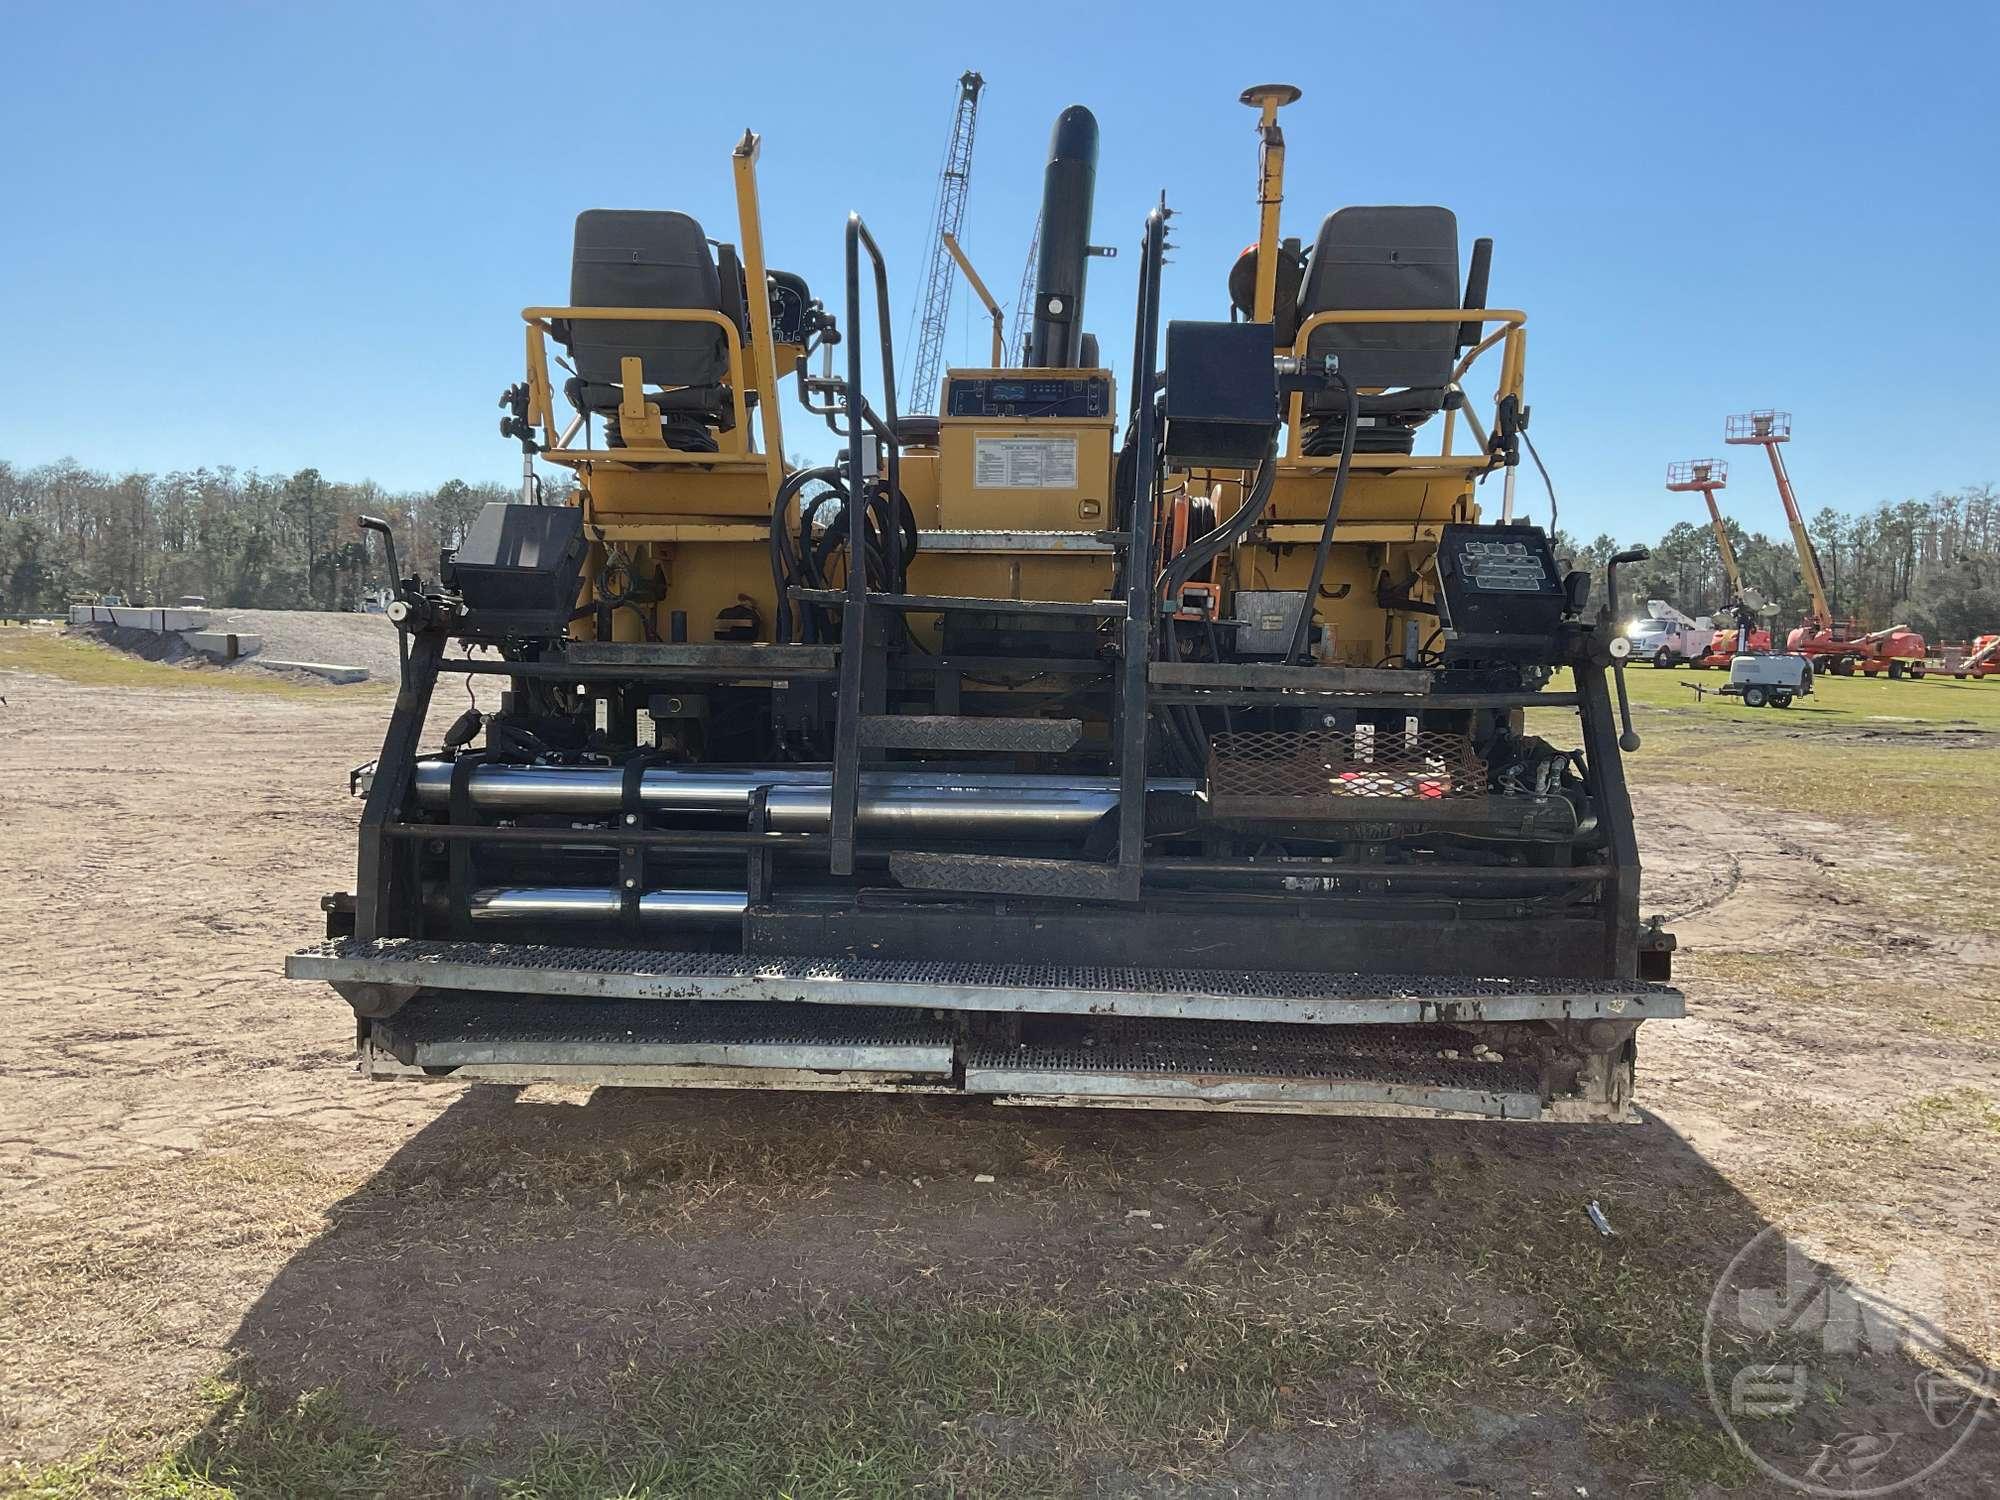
(1933, 565)
(247, 540)
(240, 539)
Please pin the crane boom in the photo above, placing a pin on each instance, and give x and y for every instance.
(1707, 475)
(1722, 545)
(953, 181)
(1801, 539)
(1024, 299)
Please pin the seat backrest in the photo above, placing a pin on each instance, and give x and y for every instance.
(1385, 258)
(645, 258)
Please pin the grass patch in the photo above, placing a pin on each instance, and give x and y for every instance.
(1685, 1454)
(251, 1445)
(1128, 1383)
(1877, 704)
(93, 664)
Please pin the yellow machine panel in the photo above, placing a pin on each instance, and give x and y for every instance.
(1003, 466)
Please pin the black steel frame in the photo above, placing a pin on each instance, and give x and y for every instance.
(1371, 916)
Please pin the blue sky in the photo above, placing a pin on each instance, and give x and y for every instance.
(280, 236)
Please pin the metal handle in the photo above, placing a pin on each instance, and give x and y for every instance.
(376, 523)
(1628, 740)
(398, 610)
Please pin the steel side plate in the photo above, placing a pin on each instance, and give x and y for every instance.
(1159, 993)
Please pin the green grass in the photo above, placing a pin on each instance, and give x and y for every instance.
(1835, 702)
(92, 664)
(311, 1448)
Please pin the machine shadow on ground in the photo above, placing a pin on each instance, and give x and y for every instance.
(810, 1289)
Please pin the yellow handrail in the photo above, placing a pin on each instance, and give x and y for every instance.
(540, 319)
(1511, 360)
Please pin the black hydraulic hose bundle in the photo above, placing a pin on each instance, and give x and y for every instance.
(1333, 502)
(1184, 727)
(802, 558)
(1200, 554)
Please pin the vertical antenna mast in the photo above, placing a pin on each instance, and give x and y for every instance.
(952, 185)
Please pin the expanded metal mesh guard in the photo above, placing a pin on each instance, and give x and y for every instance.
(1698, 474)
(1322, 764)
(1757, 427)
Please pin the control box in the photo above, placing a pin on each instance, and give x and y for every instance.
(1222, 394)
(1026, 450)
(1500, 596)
(1028, 393)
(519, 569)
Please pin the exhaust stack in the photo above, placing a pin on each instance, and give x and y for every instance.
(1055, 339)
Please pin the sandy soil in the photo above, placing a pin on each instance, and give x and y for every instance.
(190, 1175)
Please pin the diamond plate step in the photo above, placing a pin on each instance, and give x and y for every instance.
(463, 1030)
(1211, 1063)
(1210, 994)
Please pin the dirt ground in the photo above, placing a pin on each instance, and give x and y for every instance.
(224, 1262)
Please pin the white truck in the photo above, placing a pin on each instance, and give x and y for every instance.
(1667, 638)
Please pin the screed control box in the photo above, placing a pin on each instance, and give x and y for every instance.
(1025, 450)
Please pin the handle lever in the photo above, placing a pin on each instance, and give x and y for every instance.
(1628, 739)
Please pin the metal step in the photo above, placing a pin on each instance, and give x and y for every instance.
(952, 732)
(994, 875)
(1207, 994)
(464, 1030)
(1248, 1066)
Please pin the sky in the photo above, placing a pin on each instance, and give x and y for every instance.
(281, 236)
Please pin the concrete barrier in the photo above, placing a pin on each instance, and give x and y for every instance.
(327, 670)
(138, 617)
(224, 645)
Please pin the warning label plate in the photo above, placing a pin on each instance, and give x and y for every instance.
(1023, 463)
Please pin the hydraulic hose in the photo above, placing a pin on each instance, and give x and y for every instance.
(785, 563)
(803, 560)
(1186, 733)
(1325, 549)
(1200, 554)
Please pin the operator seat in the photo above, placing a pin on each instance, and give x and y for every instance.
(1382, 258)
(649, 258)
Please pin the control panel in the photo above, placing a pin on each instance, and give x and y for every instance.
(1499, 592)
(1036, 393)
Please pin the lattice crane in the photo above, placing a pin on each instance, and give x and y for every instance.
(953, 180)
(1017, 336)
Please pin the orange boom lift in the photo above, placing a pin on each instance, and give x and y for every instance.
(1839, 646)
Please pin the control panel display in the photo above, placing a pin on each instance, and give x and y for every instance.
(1499, 593)
(1052, 395)
(1505, 567)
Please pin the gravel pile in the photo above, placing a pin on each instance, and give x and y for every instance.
(345, 640)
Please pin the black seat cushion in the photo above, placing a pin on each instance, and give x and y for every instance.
(645, 258)
(1377, 258)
